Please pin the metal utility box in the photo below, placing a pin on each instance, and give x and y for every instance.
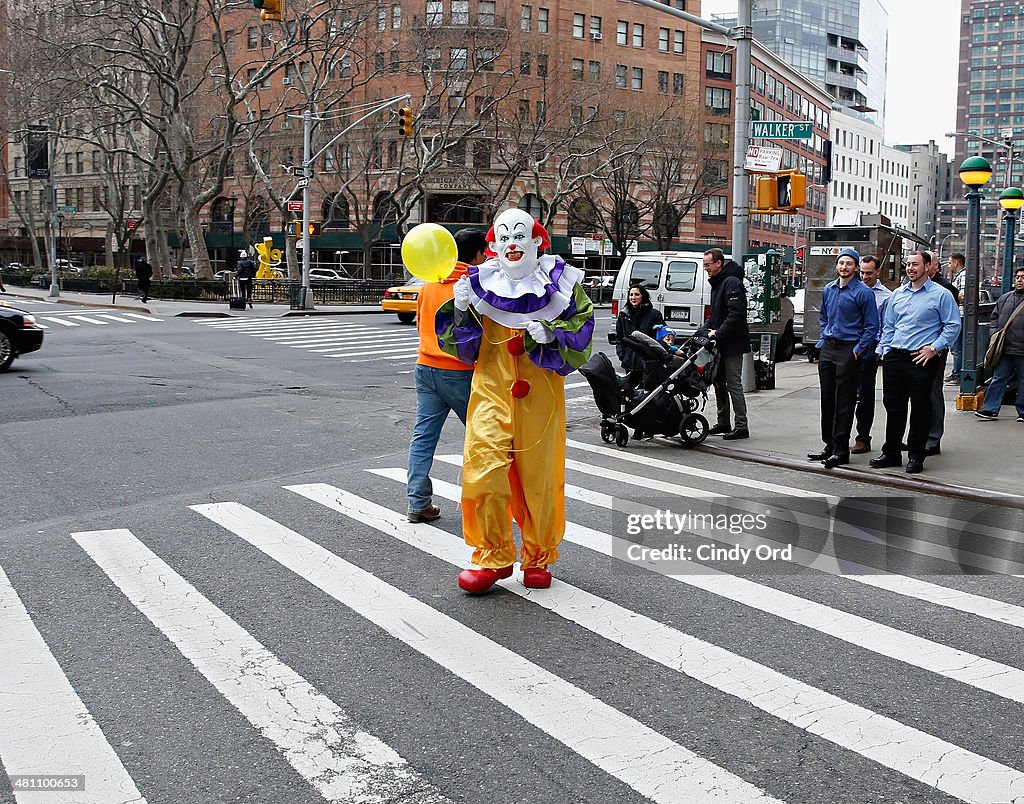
(824, 245)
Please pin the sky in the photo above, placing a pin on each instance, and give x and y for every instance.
(924, 52)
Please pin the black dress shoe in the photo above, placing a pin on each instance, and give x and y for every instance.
(824, 455)
(928, 451)
(836, 460)
(915, 466)
(720, 429)
(735, 435)
(884, 461)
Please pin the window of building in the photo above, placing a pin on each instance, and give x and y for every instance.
(459, 58)
(526, 18)
(382, 19)
(678, 41)
(485, 10)
(638, 35)
(663, 81)
(663, 40)
(435, 13)
(485, 58)
(542, 112)
(717, 99)
(460, 12)
(396, 17)
(677, 83)
(432, 58)
(252, 40)
(542, 65)
(576, 115)
(719, 65)
(620, 76)
(619, 116)
(542, 20)
(621, 32)
(525, 61)
(579, 22)
(577, 69)
(595, 71)
(595, 28)
(482, 154)
(714, 208)
(638, 78)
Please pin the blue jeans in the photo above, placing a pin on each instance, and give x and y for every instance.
(958, 354)
(438, 391)
(997, 386)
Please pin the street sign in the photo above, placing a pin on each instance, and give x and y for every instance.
(295, 206)
(763, 159)
(65, 208)
(781, 130)
(132, 224)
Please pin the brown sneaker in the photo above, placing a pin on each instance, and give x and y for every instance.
(426, 515)
(860, 447)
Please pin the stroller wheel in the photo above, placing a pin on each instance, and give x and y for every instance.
(691, 404)
(693, 429)
(621, 435)
(607, 432)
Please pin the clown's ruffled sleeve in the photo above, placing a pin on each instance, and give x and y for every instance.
(573, 331)
(458, 332)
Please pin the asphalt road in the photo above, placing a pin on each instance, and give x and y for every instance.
(210, 594)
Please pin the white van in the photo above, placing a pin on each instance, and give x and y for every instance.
(677, 283)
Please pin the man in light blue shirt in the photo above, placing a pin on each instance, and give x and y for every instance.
(849, 329)
(920, 320)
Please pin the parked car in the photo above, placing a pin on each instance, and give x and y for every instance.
(19, 335)
(326, 275)
(223, 276)
(401, 299)
(14, 266)
(600, 282)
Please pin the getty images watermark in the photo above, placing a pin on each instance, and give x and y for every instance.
(851, 535)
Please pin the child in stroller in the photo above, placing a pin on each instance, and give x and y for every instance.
(674, 388)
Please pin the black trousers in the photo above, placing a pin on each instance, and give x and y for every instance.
(245, 288)
(904, 383)
(867, 370)
(837, 375)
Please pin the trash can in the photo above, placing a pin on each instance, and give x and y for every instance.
(295, 296)
(759, 365)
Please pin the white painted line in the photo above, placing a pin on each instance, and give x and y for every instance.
(397, 356)
(984, 674)
(90, 319)
(40, 325)
(965, 602)
(140, 317)
(357, 338)
(569, 385)
(316, 737)
(902, 748)
(61, 321)
(640, 757)
(46, 728)
(115, 318)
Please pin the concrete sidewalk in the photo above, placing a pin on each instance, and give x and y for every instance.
(983, 459)
(168, 308)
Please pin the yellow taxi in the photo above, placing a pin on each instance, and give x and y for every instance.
(401, 299)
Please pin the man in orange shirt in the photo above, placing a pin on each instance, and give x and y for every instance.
(442, 381)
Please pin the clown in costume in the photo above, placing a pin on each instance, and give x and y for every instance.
(527, 322)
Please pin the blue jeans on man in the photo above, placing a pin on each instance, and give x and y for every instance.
(997, 385)
(438, 391)
(958, 355)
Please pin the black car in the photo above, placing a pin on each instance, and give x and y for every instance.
(19, 335)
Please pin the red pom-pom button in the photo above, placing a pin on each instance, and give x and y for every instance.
(520, 388)
(516, 346)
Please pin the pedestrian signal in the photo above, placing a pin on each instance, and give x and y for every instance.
(270, 10)
(784, 193)
(315, 228)
(405, 121)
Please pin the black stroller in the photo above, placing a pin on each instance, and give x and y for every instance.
(674, 389)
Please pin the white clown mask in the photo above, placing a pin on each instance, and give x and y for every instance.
(514, 243)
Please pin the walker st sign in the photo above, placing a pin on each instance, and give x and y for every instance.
(781, 130)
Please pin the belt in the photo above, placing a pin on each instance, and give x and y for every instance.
(837, 342)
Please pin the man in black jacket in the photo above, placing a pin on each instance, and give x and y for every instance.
(727, 324)
(144, 275)
(1013, 354)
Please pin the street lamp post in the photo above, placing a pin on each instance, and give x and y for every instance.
(975, 171)
(943, 243)
(1011, 199)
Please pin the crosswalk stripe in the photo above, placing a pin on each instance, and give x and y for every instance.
(47, 729)
(906, 586)
(90, 319)
(318, 334)
(55, 320)
(909, 751)
(984, 674)
(642, 758)
(396, 356)
(569, 385)
(115, 318)
(148, 318)
(317, 738)
(357, 339)
(942, 552)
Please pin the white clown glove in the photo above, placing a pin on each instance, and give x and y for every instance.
(463, 293)
(539, 332)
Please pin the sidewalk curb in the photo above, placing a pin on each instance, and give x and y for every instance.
(133, 307)
(876, 477)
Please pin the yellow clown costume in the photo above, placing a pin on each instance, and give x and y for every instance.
(527, 322)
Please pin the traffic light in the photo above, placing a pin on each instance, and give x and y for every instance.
(405, 121)
(295, 229)
(315, 228)
(270, 10)
(780, 192)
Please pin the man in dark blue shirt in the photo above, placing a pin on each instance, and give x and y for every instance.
(849, 329)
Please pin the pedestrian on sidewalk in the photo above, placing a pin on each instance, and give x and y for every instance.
(727, 324)
(849, 330)
(245, 272)
(144, 275)
(637, 314)
(919, 321)
(867, 364)
(442, 381)
(933, 445)
(957, 277)
(1013, 353)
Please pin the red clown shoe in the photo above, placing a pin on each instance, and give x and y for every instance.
(536, 578)
(478, 581)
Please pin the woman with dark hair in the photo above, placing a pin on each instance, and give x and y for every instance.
(637, 314)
